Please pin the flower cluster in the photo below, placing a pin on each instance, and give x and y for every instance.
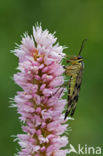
(40, 104)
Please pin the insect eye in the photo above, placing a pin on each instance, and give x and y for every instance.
(80, 57)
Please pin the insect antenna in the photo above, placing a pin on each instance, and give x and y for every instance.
(82, 46)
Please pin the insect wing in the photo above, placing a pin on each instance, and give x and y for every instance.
(76, 90)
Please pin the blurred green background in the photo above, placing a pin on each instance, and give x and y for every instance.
(73, 20)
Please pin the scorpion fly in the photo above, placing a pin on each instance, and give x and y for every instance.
(75, 71)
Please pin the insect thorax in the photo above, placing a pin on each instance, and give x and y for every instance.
(74, 68)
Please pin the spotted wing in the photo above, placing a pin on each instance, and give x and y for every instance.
(72, 100)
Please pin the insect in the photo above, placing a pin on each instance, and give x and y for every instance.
(75, 71)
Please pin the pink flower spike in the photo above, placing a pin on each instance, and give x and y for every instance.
(40, 104)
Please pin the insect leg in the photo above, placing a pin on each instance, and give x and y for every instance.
(58, 93)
